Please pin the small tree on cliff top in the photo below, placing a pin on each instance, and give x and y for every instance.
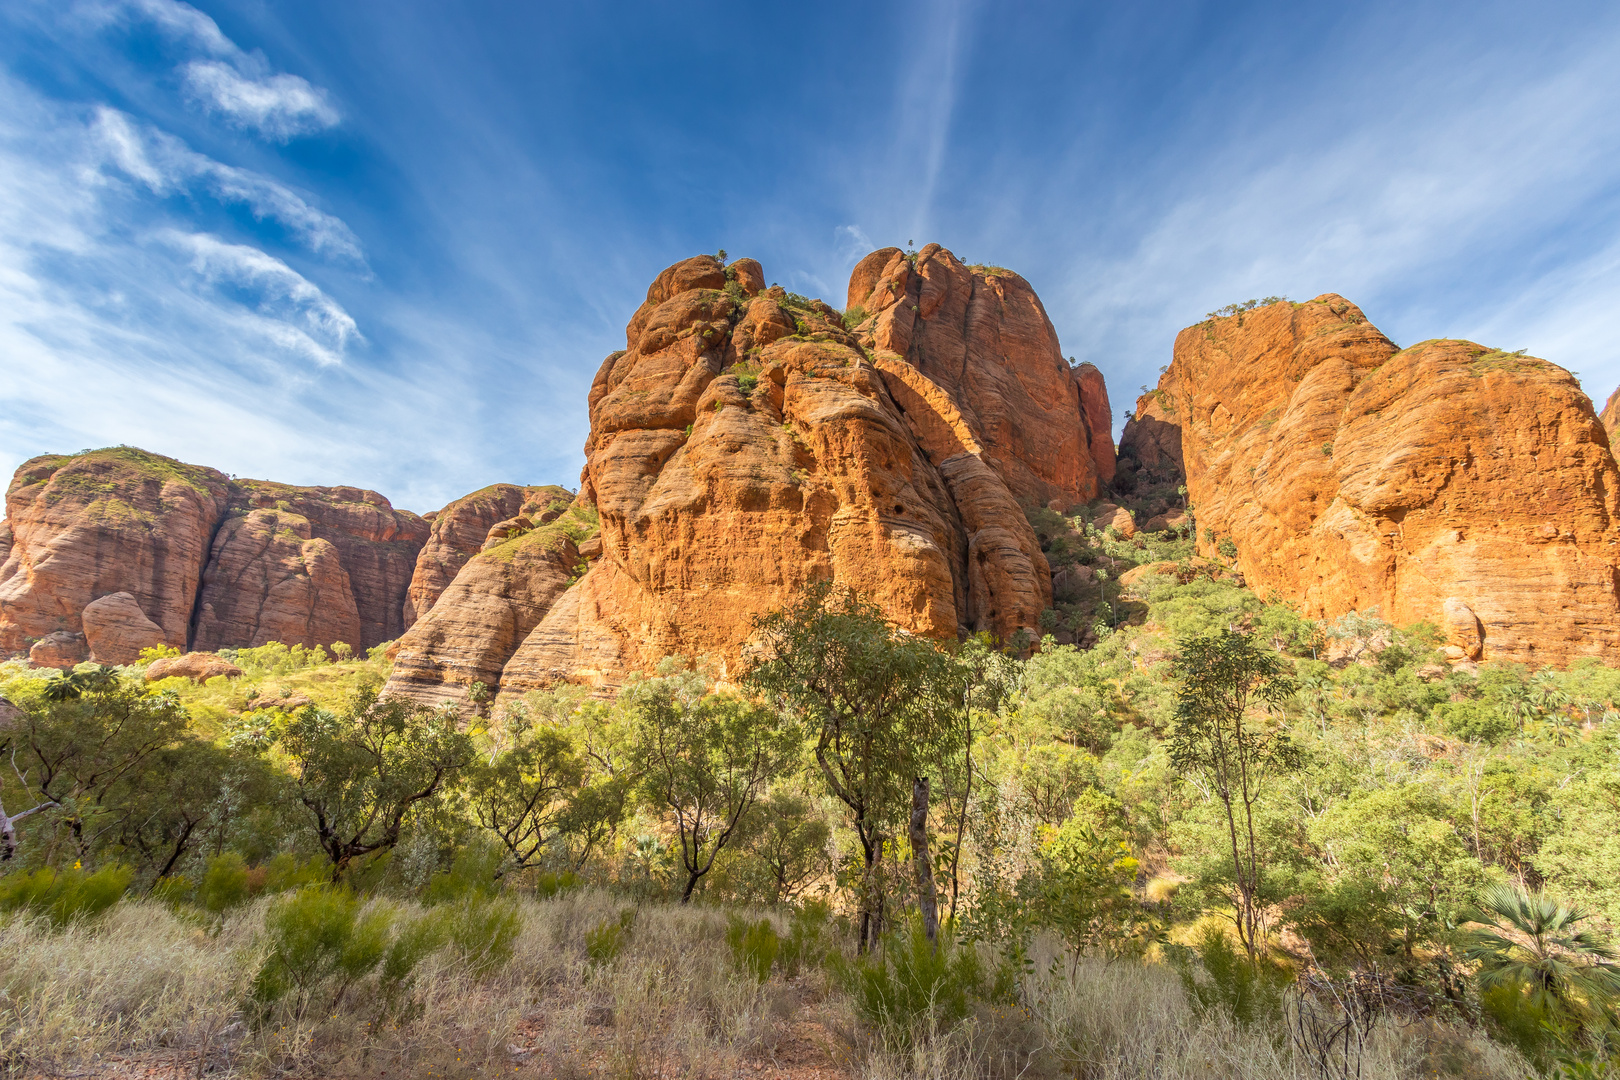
(876, 701)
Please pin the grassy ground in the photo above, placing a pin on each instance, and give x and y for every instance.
(147, 990)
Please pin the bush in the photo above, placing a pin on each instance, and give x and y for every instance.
(224, 883)
(549, 884)
(910, 991)
(806, 944)
(754, 946)
(319, 943)
(472, 873)
(66, 896)
(607, 939)
(1248, 993)
(482, 932)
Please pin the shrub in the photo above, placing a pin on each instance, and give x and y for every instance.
(746, 383)
(224, 883)
(66, 896)
(754, 946)
(472, 873)
(482, 931)
(806, 943)
(550, 884)
(319, 943)
(1248, 993)
(911, 991)
(607, 939)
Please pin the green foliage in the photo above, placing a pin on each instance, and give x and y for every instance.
(1218, 977)
(473, 873)
(854, 317)
(808, 943)
(705, 759)
(607, 939)
(66, 896)
(754, 946)
(319, 943)
(746, 382)
(912, 992)
(1245, 305)
(225, 882)
(482, 932)
(158, 652)
(361, 772)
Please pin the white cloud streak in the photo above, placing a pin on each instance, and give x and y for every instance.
(165, 165)
(280, 107)
(285, 297)
(235, 84)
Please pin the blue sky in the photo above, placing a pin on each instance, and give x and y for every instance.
(388, 244)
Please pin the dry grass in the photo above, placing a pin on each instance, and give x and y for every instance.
(147, 992)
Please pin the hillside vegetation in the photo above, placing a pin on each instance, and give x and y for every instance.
(1222, 841)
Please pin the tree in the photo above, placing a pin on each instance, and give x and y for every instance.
(878, 703)
(362, 772)
(788, 841)
(706, 761)
(87, 733)
(1225, 676)
(522, 792)
(1530, 943)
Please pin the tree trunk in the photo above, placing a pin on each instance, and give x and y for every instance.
(926, 898)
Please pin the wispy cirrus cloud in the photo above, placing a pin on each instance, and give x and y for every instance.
(294, 313)
(231, 82)
(280, 107)
(165, 165)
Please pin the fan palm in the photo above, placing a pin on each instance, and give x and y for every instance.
(1530, 940)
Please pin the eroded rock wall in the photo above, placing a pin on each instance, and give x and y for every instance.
(110, 544)
(1445, 482)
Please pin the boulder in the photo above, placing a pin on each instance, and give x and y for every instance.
(1109, 516)
(1446, 482)
(59, 649)
(117, 629)
(1171, 519)
(199, 667)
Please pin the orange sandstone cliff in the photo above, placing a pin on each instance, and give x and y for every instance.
(1445, 482)
(113, 551)
(747, 442)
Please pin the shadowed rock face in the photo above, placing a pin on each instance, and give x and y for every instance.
(1445, 482)
(746, 443)
(208, 561)
(1610, 418)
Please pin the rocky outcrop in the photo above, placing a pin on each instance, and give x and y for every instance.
(746, 442)
(981, 336)
(111, 521)
(460, 531)
(1609, 417)
(498, 597)
(309, 566)
(59, 649)
(116, 629)
(196, 666)
(1098, 414)
(106, 545)
(1445, 482)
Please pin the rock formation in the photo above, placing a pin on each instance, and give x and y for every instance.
(460, 530)
(116, 629)
(1610, 416)
(111, 521)
(107, 545)
(498, 596)
(747, 442)
(1446, 482)
(307, 565)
